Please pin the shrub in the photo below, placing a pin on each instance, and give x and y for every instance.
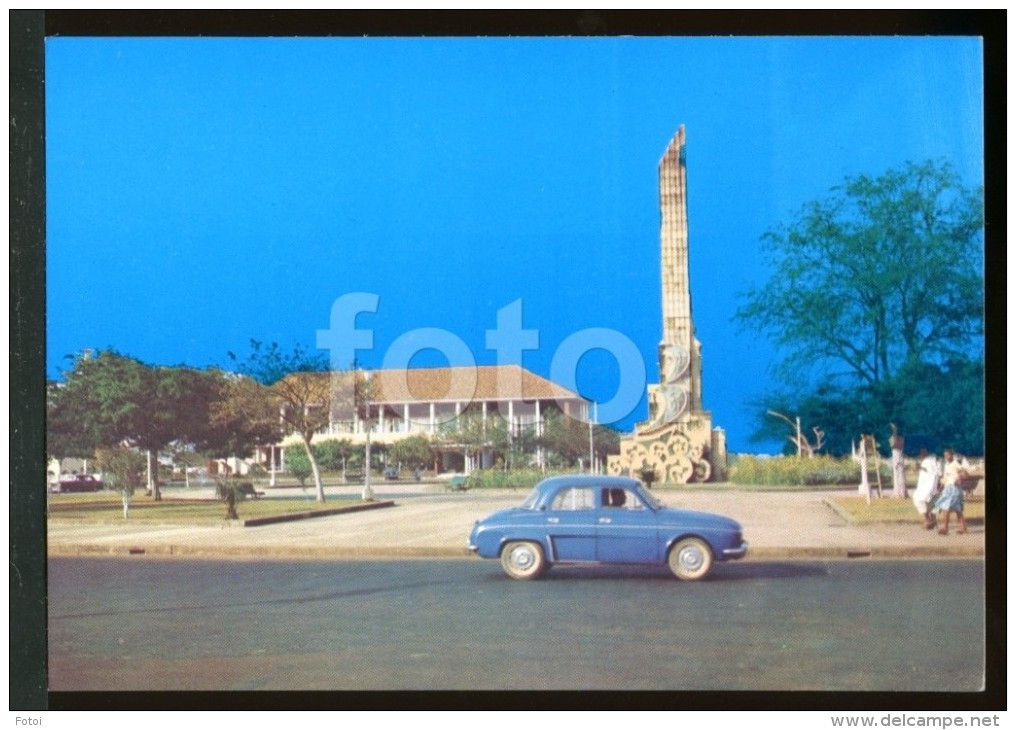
(239, 490)
(796, 471)
(498, 479)
(297, 464)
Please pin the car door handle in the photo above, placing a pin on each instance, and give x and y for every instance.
(604, 520)
(553, 520)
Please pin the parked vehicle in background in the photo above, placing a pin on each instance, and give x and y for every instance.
(603, 519)
(79, 483)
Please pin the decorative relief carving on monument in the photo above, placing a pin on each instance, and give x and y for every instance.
(674, 361)
(669, 452)
(666, 404)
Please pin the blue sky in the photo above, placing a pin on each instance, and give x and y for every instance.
(202, 192)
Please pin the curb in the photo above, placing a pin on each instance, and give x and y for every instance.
(875, 553)
(294, 516)
(267, 552)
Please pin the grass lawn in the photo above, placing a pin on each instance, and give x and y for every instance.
(887, 509)
(732, 487)
(105, 507)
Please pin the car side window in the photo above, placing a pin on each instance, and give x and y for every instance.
(620, 498)
(574, 498)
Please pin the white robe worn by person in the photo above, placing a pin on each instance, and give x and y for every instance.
(927, 483)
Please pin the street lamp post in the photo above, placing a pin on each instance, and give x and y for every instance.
(368, 491)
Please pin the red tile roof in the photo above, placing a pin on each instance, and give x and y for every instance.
(482, 383)
(460, 384)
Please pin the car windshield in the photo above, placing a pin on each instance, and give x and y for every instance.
(649, 497)
(530, 501)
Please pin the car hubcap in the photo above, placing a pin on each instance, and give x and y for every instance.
(691, 559)
(522, 558)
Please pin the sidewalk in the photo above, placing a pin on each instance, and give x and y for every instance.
(787, 525)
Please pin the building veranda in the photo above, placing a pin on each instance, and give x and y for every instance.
(461, 411)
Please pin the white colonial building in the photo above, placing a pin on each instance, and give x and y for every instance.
(429, 401)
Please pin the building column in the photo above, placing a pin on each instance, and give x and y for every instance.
(432, 417)
(405, 418)
(539, 435)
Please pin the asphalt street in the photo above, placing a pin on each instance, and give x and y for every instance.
(460, 624)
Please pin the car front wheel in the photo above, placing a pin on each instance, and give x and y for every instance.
(690, 559)
(523, 560)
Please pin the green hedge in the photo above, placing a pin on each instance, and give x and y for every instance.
(798, 471)
(499, 479)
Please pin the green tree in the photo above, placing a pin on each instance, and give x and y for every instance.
(299, 385)
(882, 278)
(933, 406)
(345, 450)
(69, 431)
(356, 391)
(606, 441)
(333, 454)
(413, 452)
(471, 433)
(123, 470)
(115, 399)
(242, 416)
(298, 464)
(565, 439)
(885, 271)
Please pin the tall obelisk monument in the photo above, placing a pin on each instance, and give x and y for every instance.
(679, 350)
(678, 443)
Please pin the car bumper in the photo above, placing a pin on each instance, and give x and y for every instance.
(736, 553)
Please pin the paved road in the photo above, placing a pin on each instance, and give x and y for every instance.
(119, 623)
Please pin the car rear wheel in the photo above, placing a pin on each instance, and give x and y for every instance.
(523, 560)
(690, 559)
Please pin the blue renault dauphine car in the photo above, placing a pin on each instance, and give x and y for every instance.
(603, 519)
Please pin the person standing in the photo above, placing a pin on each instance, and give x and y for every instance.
(927, 484)
(951, 499)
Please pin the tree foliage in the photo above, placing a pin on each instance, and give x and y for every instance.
(472, 433)
(566, 439)
(885, 271)
(414, 452)
(110, 399)
(335, 454)
(123, 471)
(69, 427)
(875, 303)
(298, 384)
(297, 463)
(242, 416)
(933, 406)
(122, 468)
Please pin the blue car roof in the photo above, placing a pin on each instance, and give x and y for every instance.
(587, 480)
